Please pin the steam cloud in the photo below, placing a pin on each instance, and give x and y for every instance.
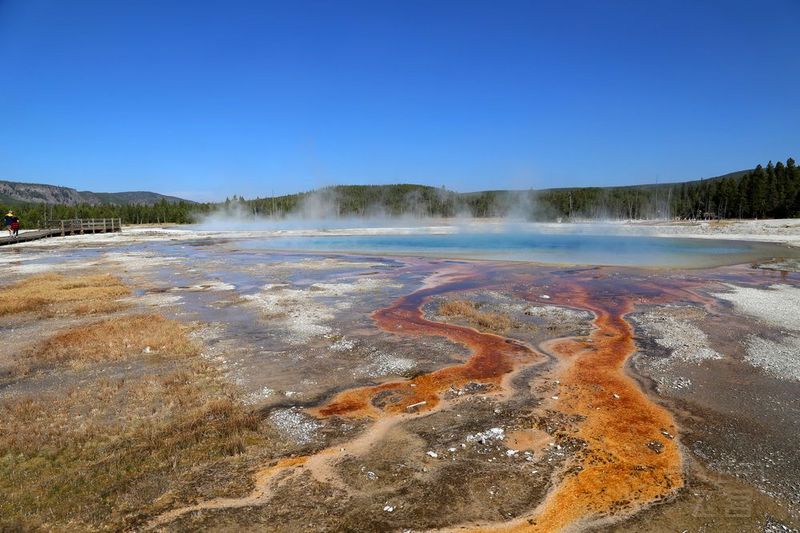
(331, 208)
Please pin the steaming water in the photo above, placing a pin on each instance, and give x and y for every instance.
(569, 248)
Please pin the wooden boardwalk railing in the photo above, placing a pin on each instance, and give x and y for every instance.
(75, 226)
(62, 228)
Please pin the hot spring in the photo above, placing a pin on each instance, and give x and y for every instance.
(548, 244)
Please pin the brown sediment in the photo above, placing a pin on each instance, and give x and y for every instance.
(630, 459)
(490, 362)
(492, 357)
(528, 439)
(627, 462)
(258, 495)
(264, 479)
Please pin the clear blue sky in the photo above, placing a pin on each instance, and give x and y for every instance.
(208, 99)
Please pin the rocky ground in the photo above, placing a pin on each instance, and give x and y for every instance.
(226, 429)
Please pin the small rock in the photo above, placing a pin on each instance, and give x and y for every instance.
(487, 436)
(414, 407)
(655, 446)
(388, 508)
(432, 454)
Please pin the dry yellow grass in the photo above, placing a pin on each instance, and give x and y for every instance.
(115, 338)
(103, 456)
(87, 453)
(50, 294)
(456, 308)
(109, 453)
(466, 309)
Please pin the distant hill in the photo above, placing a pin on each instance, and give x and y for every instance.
(12, 192)
(643, 186)
(764, 192)
(771, 191)
(134, 197)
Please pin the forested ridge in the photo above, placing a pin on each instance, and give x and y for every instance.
(771, 191)
(764, 192)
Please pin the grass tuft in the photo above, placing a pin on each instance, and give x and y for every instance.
(496, 322)
(114, 339)
(53, 294)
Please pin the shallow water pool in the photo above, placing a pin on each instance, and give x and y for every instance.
(583, 249)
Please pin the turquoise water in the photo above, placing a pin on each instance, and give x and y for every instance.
(580, 249)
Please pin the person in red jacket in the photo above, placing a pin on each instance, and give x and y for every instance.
(12, 223)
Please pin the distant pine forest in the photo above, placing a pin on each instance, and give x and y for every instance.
(764, 192)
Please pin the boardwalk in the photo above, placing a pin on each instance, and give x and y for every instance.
(62, 228)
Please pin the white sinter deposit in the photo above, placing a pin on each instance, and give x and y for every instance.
(778, 359)
(303, 311)
(294, 424)
(777, 306)
(670, 328)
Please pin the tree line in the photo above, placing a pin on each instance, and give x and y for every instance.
(764, 192)
(33, 215)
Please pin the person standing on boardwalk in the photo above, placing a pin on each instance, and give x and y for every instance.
(12, 223)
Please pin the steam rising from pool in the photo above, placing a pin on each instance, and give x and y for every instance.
(324, 208)
(316, 227)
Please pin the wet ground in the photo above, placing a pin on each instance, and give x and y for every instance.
(617, 399)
